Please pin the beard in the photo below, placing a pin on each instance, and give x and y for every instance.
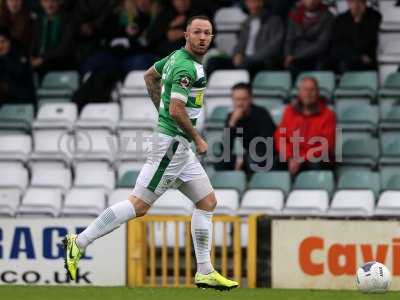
(198, 50)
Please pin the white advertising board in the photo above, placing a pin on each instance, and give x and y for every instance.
(31, 252)
(325, 254)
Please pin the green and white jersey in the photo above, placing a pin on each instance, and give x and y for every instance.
(183, 78)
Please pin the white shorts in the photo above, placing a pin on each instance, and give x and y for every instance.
(171, 163)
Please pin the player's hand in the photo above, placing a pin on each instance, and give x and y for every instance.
(201, 146)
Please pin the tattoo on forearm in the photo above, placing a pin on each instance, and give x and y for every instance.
(154, 90)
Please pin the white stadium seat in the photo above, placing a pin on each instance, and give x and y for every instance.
(138, 113)
(13, 175)
(221, 81)
(53, 145)
(390, 51)
(133, 144)
(212, 102)
(99, 115)
(268, 201)
(95, 144)
(226, 42)
(15, 147)
(388, 204)
(119, 195)
(352, 203)
(9, 201)
(56, 116)
(134, 85)
(94, 174)
(41, 201)
(227, 201)
(84, 202)
(229, 19)
(54, 177)
(307, 203)
(391, 15)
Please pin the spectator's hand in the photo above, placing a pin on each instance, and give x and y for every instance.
(175, 34)
(178, 21)
(131, 30)
(87, 29)
(294, 166)
(236, 115)
(238, 59)
(366, 59)
(288, 61)
(201, 146)
(239, 164)
(36, 62)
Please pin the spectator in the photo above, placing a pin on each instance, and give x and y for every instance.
(130, 22)
(308, 37)
(355, 37)
(92, 25)
(14, 15)
(259, 45)
(247, 122)
(168, 30)
(305, 138)
(52, 39)
(16, 82)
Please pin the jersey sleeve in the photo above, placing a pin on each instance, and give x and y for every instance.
(182, 81)
(159, 65)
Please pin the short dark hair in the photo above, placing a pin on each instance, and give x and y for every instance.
(242, 86)
(199, 17)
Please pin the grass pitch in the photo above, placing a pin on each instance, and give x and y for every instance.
(97, 293)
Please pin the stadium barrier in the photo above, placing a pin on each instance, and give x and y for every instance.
(160, 252)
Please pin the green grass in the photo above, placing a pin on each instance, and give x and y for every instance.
(97, 293)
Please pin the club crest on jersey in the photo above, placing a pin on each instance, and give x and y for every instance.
(184, 82)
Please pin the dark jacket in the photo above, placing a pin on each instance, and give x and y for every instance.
(258, 124)
(269, 38)
(16, 83)
(356, 39)
(59, 44)
(312, 41)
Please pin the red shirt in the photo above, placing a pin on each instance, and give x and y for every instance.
(321, 124)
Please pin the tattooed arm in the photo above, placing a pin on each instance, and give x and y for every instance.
(153, 84)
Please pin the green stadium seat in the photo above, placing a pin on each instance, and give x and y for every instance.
(360, 180)
(214, 139)
(390, 148)
(274, 106)
(59, 84)
(389, 114)
(326, 82)
(218, 117)
(272, 84)
(354, 116)
(390, 178)
(391, 87)
(358, 84)
(229, 180)
(16, 117)
(271, 180)
(128, 179)
(315, 180)
(361, 150)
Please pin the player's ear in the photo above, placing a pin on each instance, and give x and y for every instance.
(186, 34)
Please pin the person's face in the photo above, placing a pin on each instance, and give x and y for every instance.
(4, 45)
(254, 6)
(14, 6)
(241, 99)
(356, 6)
(50, 7)
(308, 92)
(198, 36)
(181, 6)
(311, 4)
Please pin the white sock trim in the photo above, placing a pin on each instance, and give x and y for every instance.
(202, 238)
